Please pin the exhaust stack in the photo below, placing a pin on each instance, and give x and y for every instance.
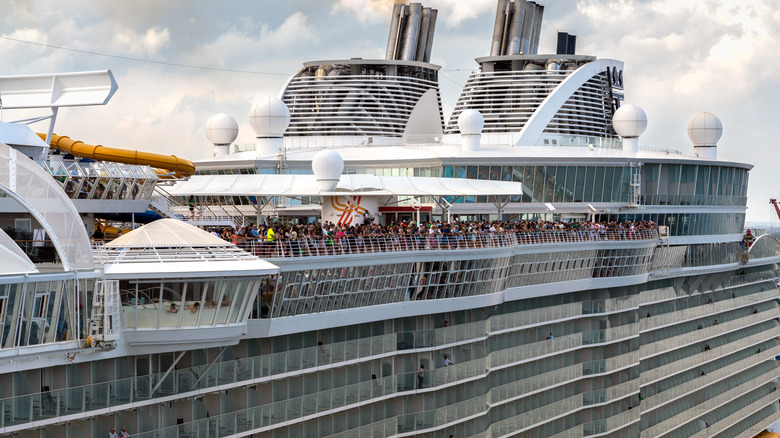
(517, 28)
(411, 33)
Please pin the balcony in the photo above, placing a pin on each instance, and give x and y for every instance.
(389, 243)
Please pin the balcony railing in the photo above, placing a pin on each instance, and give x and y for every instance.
(681, 316)
(341, 245)
(55, 403)
(706, 332)
(692, 385)
(684, 364)
(711, 403)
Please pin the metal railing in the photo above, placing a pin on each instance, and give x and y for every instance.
(386, 243)
(55, 403)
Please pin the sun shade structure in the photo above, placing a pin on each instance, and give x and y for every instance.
(167, 233)
(170, 248)
(38, 193)
(15, 261)
(306, 185)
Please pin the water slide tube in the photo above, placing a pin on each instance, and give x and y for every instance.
(179, 166)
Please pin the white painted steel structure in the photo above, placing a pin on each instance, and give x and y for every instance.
(362, 98)
(547, 332)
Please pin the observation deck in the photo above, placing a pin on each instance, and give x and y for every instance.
(390, 243)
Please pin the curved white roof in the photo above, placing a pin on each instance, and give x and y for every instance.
(166, 233)
(12, 259)
(169, 248)
(306, 185)
(32, 187)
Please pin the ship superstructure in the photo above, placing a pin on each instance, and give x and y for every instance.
(662, 323)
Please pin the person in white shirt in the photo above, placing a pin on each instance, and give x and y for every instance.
(112, 433)
(447, 361)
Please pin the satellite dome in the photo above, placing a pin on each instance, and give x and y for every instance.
(471, 122)
(327, 166)
(629, 121)
(269, 117)
(705, 129)
(221, 129)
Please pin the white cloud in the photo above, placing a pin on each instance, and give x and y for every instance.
(680, 57)
(148, 44)
(451, 12)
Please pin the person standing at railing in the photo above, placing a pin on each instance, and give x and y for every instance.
(191, 204)
(295, 248)
(420, 376)
(270, 240)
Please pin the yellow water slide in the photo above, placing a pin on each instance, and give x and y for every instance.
(179, 166)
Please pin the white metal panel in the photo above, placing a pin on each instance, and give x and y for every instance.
(306, 185)
(12, 259)
(536, 124)
(166, 233)
(57, 90)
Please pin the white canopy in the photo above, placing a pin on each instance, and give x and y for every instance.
(306, 185)
(168, 248)
(166, 233)
(12, 259)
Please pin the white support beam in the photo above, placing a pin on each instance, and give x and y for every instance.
(533, 129)
(57, 90)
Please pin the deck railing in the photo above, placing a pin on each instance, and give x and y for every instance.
(386, 243)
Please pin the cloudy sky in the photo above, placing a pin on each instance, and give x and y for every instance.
(681, 57)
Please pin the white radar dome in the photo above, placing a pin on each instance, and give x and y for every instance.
(269, 117)
(221, 129)
(705, 129)
(629, 121)
(327, 166)
(471, 122)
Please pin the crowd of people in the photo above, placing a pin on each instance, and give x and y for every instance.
(265, 234)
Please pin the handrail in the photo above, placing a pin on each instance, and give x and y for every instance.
(122, 391)
(381, 243)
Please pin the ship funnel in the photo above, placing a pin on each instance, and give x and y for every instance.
(517, 28)
(411, 33)
(566, 44)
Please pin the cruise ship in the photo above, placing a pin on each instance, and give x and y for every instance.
(169, 331)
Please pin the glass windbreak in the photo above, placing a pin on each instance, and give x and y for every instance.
(43, 312)
(103, 180)
(194, 303)
(552, 183)
(687, 184)
(44, 195)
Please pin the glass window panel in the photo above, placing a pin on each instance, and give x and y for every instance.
(579, 186)
(598, 184)
(528, 182)
(588, 185)
(506, 173)
(571, 182)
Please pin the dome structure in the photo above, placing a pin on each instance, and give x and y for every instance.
(471, 122)
(327, 165)
(269, 117)
(629, 121)
(705, 129)
(221, 129)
